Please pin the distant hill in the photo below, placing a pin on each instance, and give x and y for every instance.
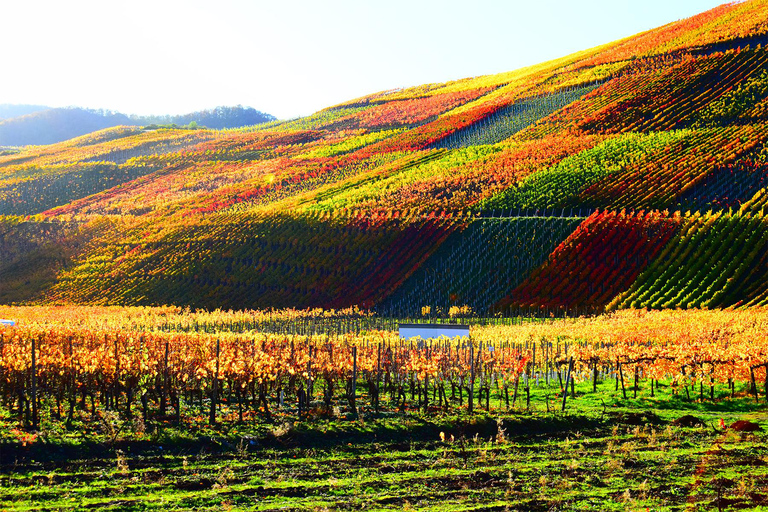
(56, 124)
(217, 118)
(23, 125)
(10, 111)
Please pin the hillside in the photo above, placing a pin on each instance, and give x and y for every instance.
(633, 174)
(23, 125)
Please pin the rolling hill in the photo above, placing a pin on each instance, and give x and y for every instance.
(24, 125)
(629, 175)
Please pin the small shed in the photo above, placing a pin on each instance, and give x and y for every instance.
(432, 331)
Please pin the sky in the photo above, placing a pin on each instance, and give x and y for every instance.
(288, 58)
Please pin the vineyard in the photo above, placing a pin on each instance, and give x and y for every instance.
(124, 375)
(233, 296)
(566, 189)
(452, 278)
(161, 363)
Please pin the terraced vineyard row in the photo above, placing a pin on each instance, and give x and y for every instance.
(716, 260)
(308, 261)
(602, 257)
(507, 121)
(457, 277)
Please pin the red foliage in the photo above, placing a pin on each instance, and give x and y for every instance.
(596, 262)
(409, 111)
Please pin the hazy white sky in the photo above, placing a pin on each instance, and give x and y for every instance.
(288, 57)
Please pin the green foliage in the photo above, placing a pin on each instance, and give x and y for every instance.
(172, 126)
(711, 263)
(736, 104)
(561, 184)
(350, 144)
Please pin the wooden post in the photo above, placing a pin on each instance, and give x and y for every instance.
(72, 388)
(426, 381)
(34, 385)
(514, 394)
(308, 394)
(164, 394)
(754, 384)
(573, 389)
(378, 380)
(636, 382)
(528, 388)
(766, 382)
(621, 376)
(353, 387)
(567, 380)
(594, 377)
(117, 376)
(215, 387)
(471, 400)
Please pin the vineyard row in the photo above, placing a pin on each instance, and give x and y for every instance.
(166, 374)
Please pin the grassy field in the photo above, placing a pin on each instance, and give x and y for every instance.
(604, 453)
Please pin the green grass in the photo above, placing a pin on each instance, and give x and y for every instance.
(604, 453)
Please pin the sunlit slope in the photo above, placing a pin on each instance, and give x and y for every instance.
(552, 188)
(38, 178)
